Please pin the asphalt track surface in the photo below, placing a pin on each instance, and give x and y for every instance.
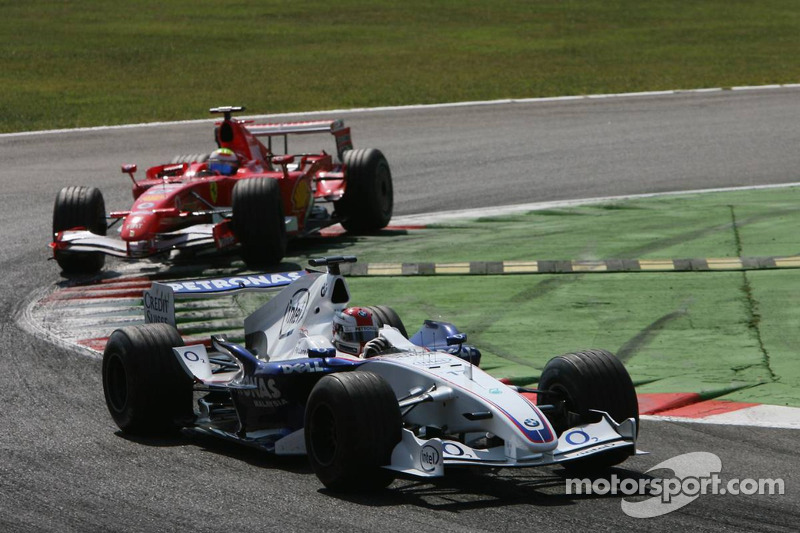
(64, 467)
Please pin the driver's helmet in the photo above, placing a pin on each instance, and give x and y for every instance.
(223, 161)
(353, 328)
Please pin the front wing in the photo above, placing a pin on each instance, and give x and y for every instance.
(79, 241)
(428, 458)
(216, 236)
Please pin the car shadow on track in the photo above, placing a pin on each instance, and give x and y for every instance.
(469, 489)
(258, 458)
(215, 445)
(461, 489)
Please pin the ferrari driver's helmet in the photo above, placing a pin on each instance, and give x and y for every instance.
(353, 328)
(223, 161)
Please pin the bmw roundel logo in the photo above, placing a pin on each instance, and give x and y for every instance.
(531, 423)
(362, 313)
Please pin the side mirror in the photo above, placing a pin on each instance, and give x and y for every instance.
(458, 338)
(282, 161)
(322, 352)
(130, 170)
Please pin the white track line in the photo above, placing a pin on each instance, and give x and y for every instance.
(462, 214)
(415, 107)
(764, 415)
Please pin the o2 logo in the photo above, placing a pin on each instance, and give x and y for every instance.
(193, 357)
(578, 437)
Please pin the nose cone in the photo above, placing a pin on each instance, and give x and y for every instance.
(137, 227)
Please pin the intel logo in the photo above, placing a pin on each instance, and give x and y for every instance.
(429, 458)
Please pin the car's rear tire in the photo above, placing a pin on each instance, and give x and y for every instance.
(388, 317)
(146, 390)
(352, 424)
(80, 207)
(258, 221)
(593, 379)
(368, 198)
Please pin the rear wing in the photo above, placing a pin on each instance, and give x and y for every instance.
(159, 299)
(340, 132)
(287, 128)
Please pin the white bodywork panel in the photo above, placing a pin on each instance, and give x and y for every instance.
(297, 319)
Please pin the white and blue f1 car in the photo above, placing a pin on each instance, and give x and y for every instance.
(422, 406)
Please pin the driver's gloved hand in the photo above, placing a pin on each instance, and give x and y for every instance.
(375, 347)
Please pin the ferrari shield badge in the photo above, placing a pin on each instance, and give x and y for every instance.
(212, 191)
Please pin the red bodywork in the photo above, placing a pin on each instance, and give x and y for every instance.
(184, 204)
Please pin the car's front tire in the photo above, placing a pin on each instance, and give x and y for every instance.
(84, 207)
(352, 424)
(584, 381)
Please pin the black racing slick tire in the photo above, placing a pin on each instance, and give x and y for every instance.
(146, 389)
(388, 317)
(258, 221)
(593, 379)
(368, 198)
(352, 424)
(79, 207)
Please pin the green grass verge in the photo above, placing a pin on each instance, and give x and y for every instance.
(668, 227)
(71, 64)
(692, 327)
(731, 335)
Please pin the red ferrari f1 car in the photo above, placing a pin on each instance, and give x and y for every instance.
(244, 194)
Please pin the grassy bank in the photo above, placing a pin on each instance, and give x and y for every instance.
(70, 64)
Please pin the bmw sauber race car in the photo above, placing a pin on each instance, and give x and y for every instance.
(349, 388)
(249, 192)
